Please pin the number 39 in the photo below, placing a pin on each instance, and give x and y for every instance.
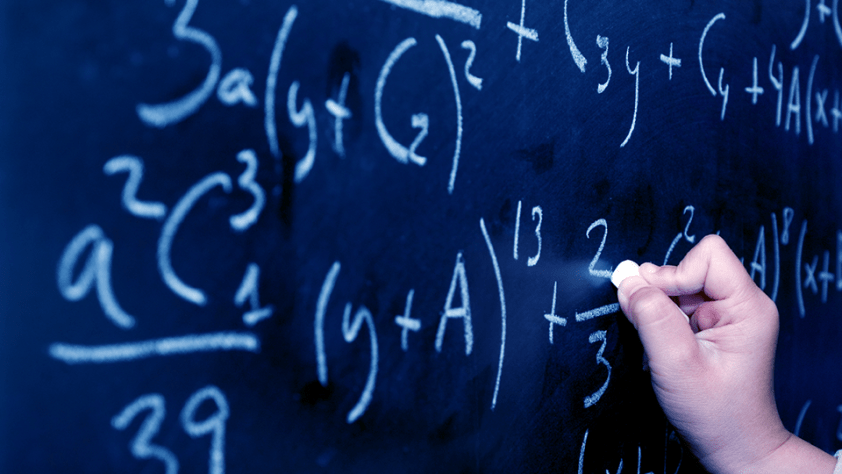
(141, 446)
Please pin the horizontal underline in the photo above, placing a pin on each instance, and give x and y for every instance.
(191, 343)
(595, 313)
(441, 9)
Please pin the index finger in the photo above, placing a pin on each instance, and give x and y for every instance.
(710, 267)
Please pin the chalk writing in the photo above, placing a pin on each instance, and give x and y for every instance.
(407, 322)
(595, 313)
(582, 452)
(243, 221)
(235, 87)
(801, 415)
(602, 42)
(636, 73)
(720, 16)
(777, 83)
(502, 310)
(552, 317)
(807, 98)
(462, 312)
(248, 291)
(806, 23)
(821, 112)
(536, 212)
(97, 268)
(836, 26)
(824, 11)
(754, 90)
(441, 9)
(134, 166)
(168, 232)
(299, 118)
(319, 324)
(723, 93)
(86, 261)
(788, 216)
(161, 115)
(760, 254)
(473, 80)
(452, 182)
(141, 446)
(578, 58)
(168, 346)
(349, 332)
(670, 61)
(592, 266)
(341, 113)
(398, 151)
(798, 291)
(517, 228)
(528, 33)
(690, 238)
(269, 121)
(794, 103)
(214, 424)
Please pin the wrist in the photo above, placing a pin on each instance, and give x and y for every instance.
(793, 456)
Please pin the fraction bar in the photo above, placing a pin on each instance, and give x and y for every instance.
(595, 313)
(441, 9)
(220, 341)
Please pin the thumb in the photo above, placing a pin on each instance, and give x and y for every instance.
(662, 327)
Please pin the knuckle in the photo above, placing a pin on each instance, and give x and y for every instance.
(714, 243)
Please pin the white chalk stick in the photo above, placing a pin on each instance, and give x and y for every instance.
(625, 269)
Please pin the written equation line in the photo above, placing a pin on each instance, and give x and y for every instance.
(191, 343)
(598, 312)
(441, 9)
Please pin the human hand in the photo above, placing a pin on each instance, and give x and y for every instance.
(713, 377)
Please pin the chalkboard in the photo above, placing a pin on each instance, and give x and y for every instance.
(376, 235)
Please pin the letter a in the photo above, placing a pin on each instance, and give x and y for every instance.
(463, 312)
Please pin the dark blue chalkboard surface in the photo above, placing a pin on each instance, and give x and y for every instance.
(376, 235)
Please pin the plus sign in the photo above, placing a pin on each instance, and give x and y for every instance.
(754, 90)
(406, 322)
(552, 317)
(670, 61)
(521, 31)
(338, 110)
(824, 11)
(825, 276)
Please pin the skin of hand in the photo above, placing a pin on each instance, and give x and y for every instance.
(714, 377)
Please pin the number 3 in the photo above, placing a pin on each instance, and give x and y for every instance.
(161, 115)
(141, 447)
(591, 400)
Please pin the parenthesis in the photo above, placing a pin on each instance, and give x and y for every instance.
(799, 251)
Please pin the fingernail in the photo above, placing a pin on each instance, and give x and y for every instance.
(649, 268)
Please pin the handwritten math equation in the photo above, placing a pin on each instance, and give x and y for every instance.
(84, 269)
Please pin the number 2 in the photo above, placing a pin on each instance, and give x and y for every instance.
(599, 273)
